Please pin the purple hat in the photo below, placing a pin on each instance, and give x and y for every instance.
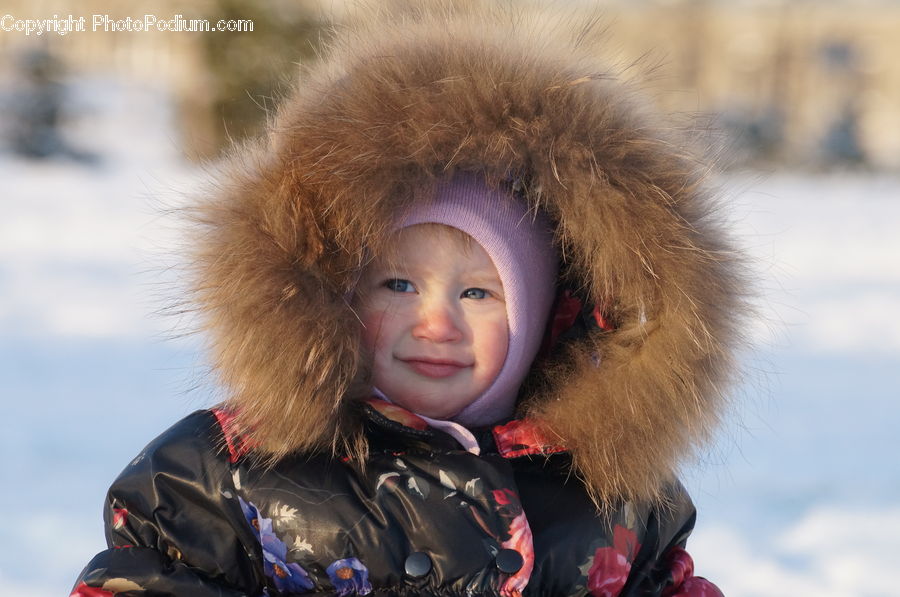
(520, 244)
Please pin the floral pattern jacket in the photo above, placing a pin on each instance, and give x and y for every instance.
(197, 514)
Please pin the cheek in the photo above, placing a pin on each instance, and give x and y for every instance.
(379, 328)
(494, 345)
(371, 332)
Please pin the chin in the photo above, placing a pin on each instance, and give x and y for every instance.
(433, 413)
(427, 408)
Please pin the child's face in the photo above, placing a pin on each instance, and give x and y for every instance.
(434, 321)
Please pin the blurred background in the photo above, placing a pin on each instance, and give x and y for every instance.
(103, 133)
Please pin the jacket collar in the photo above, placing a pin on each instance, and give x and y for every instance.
(393, 426)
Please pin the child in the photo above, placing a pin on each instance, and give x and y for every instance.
(471, 313)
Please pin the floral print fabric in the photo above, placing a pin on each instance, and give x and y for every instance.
(319, 526)
(518, 537)
(287, 576)
(684, 583)
(523, 438)
(611, 565)
(83, 590)
(397, 414)
(349, 577)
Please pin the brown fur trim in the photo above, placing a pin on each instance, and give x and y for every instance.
(397, 104)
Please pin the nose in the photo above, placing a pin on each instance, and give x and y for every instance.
(438, 321)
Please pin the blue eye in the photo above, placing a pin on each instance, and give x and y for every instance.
(475, 293)
(399, 285)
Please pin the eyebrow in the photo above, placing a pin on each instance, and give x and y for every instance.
(403, 271)
(485, 278)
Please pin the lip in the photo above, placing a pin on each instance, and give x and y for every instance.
(434, 368)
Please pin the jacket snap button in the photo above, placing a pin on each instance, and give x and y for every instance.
(418, 564)
(509, 561)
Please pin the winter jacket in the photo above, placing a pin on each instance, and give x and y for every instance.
(195, 514)
(299, 482)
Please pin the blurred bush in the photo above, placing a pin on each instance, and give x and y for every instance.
(796, 83)
(249, 71)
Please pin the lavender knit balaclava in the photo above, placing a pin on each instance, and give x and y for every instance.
(520, 243)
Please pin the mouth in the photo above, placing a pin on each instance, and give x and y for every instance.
(434, 368)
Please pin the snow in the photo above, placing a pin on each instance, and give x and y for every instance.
(830, 551)
(798, 497)
(827, 250)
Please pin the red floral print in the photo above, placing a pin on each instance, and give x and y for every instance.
(681, 565)
(684, 583)
(565, 312)
(397, 414)
(120, 517)
(84, 590)
(625, 542)
(237, 445)
(609, 572)
(523, 438)
(602, 323)
(696, 586)
(520, 539)
(505, 497)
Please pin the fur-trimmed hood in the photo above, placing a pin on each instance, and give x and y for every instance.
(395, 105)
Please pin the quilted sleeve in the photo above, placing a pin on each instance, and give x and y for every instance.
(172, 524)
(663, 568)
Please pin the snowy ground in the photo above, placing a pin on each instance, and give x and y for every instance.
(799, 496)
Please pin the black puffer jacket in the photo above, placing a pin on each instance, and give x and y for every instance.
(310, 489)
(194, 515)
